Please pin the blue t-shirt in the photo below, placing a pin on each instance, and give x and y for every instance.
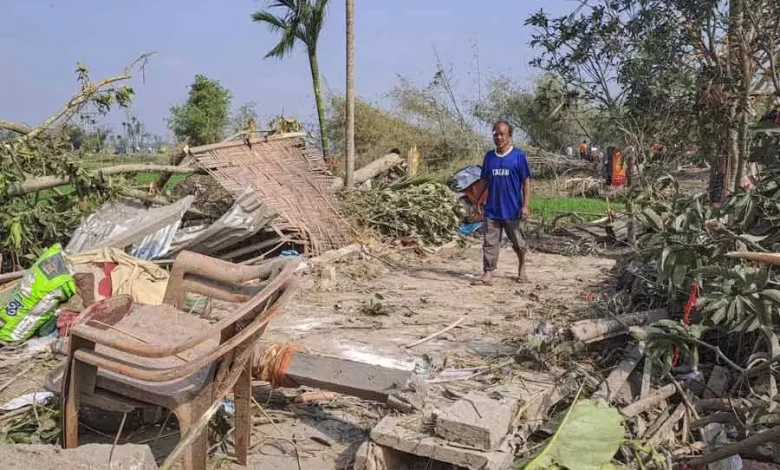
(505, 176)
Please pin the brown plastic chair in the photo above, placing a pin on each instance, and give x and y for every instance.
(124, 356)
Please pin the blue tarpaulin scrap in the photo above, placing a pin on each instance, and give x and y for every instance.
(468, 229)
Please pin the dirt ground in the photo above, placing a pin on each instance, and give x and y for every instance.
(368, 310)
(332, 315)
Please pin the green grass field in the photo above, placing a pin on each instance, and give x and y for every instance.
(589, 209)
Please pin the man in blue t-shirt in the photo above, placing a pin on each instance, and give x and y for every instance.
(508, 178)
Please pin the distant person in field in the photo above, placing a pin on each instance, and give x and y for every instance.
(508, 183)
(584, 149)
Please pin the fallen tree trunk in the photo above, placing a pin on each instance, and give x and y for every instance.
(599, 329)
(371, 170)
(162, 180)
(48, 182)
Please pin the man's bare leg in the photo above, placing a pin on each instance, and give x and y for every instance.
(522, 276)
(490, 250)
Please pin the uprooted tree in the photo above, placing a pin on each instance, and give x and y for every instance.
(36, 161)
(673, 72)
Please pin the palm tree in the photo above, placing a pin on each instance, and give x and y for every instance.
(350, 144)
(302, 21)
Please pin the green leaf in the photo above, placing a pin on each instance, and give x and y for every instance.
(15, 234)
(653, 219)
(587, 439)
(664, 255)
(771, 294)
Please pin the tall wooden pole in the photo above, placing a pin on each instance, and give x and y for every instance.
(350, 134)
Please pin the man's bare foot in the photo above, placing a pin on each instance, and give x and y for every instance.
(522, 277)
(485, 280)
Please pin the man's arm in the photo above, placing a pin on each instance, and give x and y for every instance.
(483, 176)
(525, 172)
(525, 211)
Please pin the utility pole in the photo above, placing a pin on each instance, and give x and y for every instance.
(350, 101)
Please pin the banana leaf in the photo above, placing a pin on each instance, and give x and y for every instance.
(586, 439)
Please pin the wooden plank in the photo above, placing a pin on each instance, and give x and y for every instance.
(358, 379)
(647, 377)
(610, 387)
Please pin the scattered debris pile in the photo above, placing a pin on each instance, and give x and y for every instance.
(711, 363)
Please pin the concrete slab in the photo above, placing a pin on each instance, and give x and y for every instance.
(477, 420)
(86, 457)
(408, 435)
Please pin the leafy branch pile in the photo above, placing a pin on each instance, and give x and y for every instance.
(427, 211)
(687, 243)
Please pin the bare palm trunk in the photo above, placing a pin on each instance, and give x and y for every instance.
(736, 16)
(317, 82)
(350, 144)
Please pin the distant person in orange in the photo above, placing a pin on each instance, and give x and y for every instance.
(618, 169)
(584, 149)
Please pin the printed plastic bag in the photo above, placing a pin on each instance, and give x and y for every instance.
(32, 302)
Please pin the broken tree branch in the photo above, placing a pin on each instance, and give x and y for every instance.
(646, 404)
(733, 449)
(666, 431)
(15, 127)
(604, 328)
(721, 355)
(435, 335)
(768, 258)
(48, 182)
(82, 97)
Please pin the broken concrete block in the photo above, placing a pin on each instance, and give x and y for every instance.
(371, 456)
(536, 392)
(406, 435)
(86, 457)
(718, 384)
(477, 420)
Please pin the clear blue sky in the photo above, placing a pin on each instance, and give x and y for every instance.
(43, 40)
